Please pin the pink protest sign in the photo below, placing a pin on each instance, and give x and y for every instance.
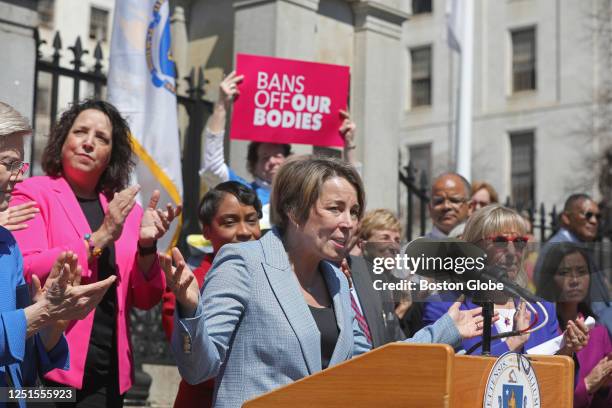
(288, 101)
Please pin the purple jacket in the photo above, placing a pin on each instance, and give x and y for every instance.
(599, 346)
(435, 308)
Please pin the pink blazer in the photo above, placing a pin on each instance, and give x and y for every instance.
(61, 226)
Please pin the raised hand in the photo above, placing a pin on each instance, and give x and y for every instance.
(14, 218)
(63, 296)
(228, 88)
(469, 323)
(156, 222)
(347, 130)
(522, 320)
(181, 281)
(118, 210)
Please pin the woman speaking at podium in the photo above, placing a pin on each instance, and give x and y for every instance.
(278, 309)
(501, 233)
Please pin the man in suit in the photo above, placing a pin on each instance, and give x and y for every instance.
(379, 236)
(579, 224)
(449, 204)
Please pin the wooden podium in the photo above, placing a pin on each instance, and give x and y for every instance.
(414, 375)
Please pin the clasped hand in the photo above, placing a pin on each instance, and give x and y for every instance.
(575, 336)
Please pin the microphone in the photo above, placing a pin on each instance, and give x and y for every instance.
(509, 285)
(455, 253)
(448, 260)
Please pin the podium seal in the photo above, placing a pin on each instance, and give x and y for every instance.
(512, 383)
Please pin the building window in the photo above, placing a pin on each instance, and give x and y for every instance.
(421, 76)
(45, 13)
(523, 60)
(98, 24)
(523, 171)
(420, 162)
(421, 6)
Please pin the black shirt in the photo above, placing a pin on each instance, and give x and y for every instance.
(102, 353)
(326, 322)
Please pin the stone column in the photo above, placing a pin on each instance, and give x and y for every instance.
(18, 57)
(278, 28)
(376, 97)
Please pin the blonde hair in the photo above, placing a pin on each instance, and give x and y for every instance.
(495, 219)
(12, 122)
(297, 187)
(378, 219)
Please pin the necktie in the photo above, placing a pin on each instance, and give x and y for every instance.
(361, 321)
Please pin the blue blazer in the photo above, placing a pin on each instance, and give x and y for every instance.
(253, 330)
(436, 306)
(22, 360)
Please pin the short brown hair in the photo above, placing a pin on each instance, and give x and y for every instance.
(376, 220)
(479, 185)
(253, 154)
(297, 187)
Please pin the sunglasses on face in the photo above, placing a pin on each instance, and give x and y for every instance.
(519, 242)
(590, 214)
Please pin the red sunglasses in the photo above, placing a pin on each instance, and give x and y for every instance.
(518, 241)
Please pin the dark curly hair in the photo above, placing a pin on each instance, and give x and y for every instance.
(117, 174)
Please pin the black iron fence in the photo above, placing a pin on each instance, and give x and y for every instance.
(544, 224)
(149, 342)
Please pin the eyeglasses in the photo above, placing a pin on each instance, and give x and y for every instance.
(520, 241)
(16, 167)
(454, 201)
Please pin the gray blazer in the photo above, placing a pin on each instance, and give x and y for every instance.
(253, 330)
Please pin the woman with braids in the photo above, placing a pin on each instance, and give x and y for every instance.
(87, 207)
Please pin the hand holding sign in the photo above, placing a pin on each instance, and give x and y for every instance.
(228, 92)
(347, 130)
(286, 101)
(228, 89)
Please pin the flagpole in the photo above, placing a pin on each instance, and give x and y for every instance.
(464, 134)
